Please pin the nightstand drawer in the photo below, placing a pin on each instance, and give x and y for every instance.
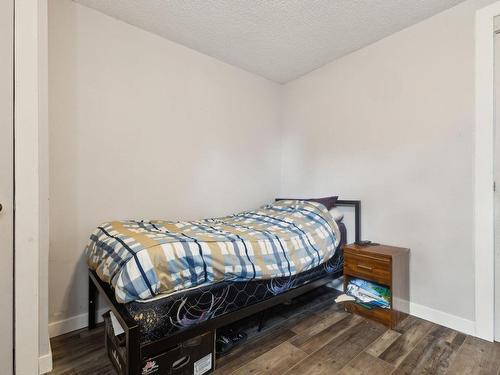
(368, 267)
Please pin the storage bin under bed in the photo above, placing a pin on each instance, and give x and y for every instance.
(195, 356)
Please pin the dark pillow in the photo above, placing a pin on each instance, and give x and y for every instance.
(328, 202)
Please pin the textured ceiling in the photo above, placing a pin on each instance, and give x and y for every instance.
(278, 39)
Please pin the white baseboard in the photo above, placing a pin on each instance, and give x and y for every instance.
(445, 319)
(72, 324)
(45, 363)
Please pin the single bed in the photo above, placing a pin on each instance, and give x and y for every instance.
(225, 269)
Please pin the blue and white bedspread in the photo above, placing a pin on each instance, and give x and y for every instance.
(142, 259)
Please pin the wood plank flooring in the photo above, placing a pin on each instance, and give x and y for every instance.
(312, 335)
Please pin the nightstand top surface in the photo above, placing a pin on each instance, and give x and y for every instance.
(378, 249)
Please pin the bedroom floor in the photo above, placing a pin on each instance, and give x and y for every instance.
(314, 336)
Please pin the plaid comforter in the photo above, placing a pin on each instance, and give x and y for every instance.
(142, 259)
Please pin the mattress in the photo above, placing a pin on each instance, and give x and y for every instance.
(162, 317)
(142, 259)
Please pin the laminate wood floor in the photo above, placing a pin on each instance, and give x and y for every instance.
(312, 335)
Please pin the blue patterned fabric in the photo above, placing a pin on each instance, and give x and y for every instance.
(142, 259)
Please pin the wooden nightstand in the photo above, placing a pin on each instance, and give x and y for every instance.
(385, 265)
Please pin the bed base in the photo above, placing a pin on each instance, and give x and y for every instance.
(137, 352)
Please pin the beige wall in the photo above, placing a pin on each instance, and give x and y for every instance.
(141, 127)
(392, 125)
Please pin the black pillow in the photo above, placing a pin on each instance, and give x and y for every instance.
(328, 202)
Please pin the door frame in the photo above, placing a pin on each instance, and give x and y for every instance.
(484, 220)
(31, 179)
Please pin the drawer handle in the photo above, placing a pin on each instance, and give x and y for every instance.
(365, 267)
(370, 257)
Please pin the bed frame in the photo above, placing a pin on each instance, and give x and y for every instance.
(136, 352)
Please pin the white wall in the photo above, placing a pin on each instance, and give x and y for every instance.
(392, 125)
(142, 127)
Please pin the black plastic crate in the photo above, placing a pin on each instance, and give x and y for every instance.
(195, 356)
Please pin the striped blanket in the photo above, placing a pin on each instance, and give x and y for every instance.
(142, 259)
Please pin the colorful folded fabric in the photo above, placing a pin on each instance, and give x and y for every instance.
(370, 294)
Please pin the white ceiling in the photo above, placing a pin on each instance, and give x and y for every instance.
(277, 39)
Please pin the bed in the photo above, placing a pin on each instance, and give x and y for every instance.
(167, 282)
